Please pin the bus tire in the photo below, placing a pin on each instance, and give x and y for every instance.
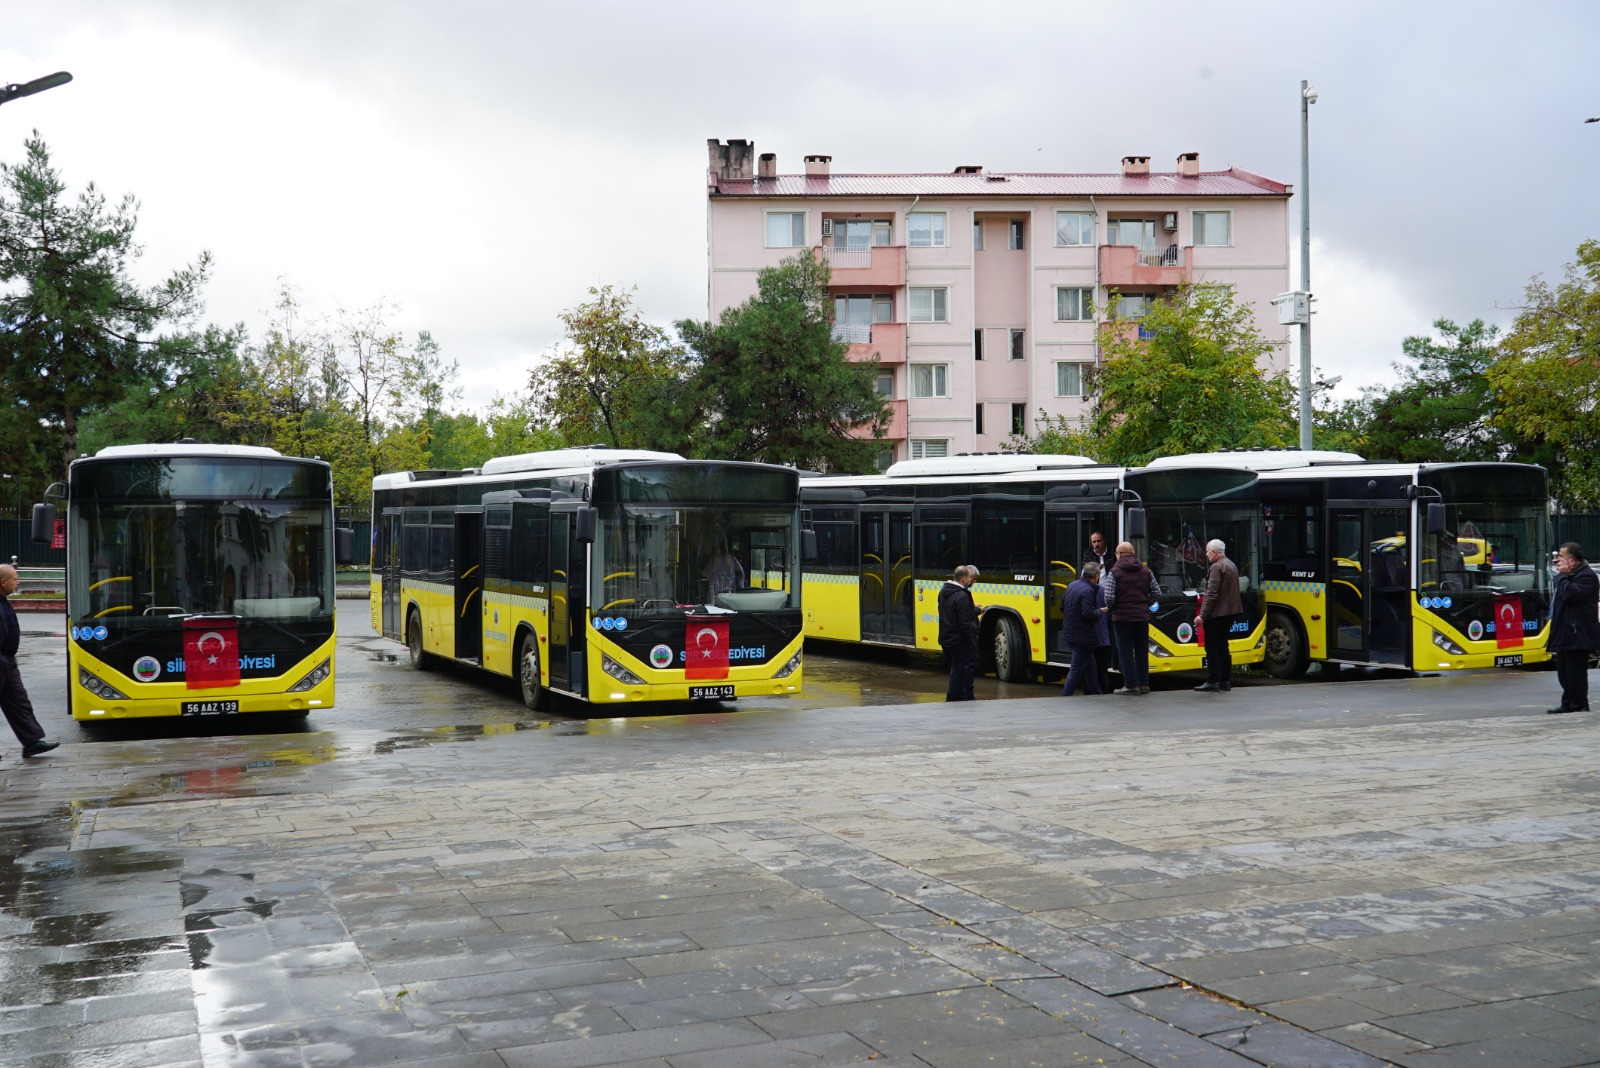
(1286, 656)
(529, 680)
(1011, 660)
(420, 658)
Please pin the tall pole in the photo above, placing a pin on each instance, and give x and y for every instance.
(1308, 97)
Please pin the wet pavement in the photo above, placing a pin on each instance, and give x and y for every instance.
(1385, 871)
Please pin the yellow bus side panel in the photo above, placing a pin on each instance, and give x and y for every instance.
(833, 606)
(503, 615)
(159, 698)
(1307, 601)
(436, 606)
(375, 600)
(1025, 602)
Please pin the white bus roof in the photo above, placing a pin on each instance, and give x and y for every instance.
(567, 458)
(186, 449)
(998, 464)
(1257, 459)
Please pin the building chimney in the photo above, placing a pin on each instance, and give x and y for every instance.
(1189, 165)
(970, 168)
(734, 161)
(817, 166)
(1135, 165)
(768, 166)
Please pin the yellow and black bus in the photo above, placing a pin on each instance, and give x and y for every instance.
(609, 576)
(200, 581)
(886, 543)
(1417, 566)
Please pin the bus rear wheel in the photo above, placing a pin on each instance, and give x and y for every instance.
(528, 678)
(420, 658)
(1286, 656)
(1011, 660)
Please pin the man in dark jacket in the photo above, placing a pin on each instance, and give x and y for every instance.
(1220, 609)
(1129, 598)
(13, 697)
(1082, 630)
(958, 631)
(1574, 626)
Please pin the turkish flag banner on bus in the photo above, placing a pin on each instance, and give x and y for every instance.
(210, 652)
(706, 642)
(1508, 620)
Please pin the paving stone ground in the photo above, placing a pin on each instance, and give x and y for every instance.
(1414, 893)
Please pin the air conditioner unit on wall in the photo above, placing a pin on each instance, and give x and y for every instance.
(1168, 222)
(827, 227)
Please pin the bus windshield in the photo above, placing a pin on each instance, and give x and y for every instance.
(1497, 546)
(1178, 537)
(157, 559)
(654, 560)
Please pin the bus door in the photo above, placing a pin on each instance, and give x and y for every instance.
(888, 589)
(568, 574)
(469, 587)
(1066, 540)
(389, 569)
(1369, 585)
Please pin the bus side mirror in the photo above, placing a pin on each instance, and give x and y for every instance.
(1436, 518)
(344, 545)
(1133, 524)
(587, 518)
(808, 546)
(44, 524)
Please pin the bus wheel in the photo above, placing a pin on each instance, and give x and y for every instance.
(1286, 650)
(528, 679)
(1011, 660)
(420, 659)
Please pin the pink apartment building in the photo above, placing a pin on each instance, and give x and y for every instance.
(984, 295)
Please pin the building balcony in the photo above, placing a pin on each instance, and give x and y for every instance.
(1126, 265)
(885, 340)
(859, 267)
(897, 424)
(1126, 328)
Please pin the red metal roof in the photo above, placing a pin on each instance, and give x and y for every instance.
(1233, 182)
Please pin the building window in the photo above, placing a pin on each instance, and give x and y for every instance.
(977, 419)
(1069, 379)
(1074, 304)
(1016, 235)
(786, 229)
(930, 448)
(1019, 419)
(1140, 233)
(886, 385)
(860, 233)
(1018, 343)
(930, 380)
(926, 228)
(1074, 228)
(977, 344)
(1132, 305)
(977, 235)
(929, 304)
(1213, 227)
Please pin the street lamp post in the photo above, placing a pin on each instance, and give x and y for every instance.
(1308, 96)
(38, 85)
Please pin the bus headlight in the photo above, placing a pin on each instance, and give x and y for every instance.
(790, 668)
(318, 674)
(1158, 650)
(1443, 641)
(618, 672)
(99, 687)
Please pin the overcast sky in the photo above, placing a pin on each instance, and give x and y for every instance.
(484, 162)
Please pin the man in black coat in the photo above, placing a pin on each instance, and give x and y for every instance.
(13, 697)
(1574, 626)
(958, 632)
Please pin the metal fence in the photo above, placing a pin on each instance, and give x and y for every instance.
(16, 543)
(1583, 529)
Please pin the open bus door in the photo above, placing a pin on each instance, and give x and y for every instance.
(1066, 540)
(572, 529)
(1369, 585)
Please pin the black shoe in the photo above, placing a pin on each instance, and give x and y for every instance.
(1226, 686)
(1208, 687)
(41, 746)
(1559, 710)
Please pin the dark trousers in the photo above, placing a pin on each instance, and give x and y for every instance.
(963, 667)
(1572, 671)
(1103, 656)
(15, 704)
(1133, 651)
(1219, 660)
(1085, 671)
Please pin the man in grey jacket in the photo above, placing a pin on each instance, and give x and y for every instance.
(1220, 609)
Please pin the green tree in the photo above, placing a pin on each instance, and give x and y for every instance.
(76, 332)
(505, 428)
(771, 383)
(1441, 407)
(1547, 379)
(1056, 435)
(1189, 379)
(204, 394)
(604, 382)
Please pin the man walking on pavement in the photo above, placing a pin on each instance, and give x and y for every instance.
(1574, 626)
(1219, 611)
(958, 632)
(13, 697)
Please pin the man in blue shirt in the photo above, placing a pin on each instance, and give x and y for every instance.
(13, 698)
